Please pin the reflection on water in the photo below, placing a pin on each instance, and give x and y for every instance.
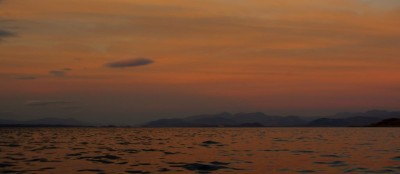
(200, 150)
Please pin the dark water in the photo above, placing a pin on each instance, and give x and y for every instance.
(200, 150)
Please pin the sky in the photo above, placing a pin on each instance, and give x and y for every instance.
(131, 61)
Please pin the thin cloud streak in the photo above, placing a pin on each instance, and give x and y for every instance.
(60, 72)
(129, 63)
(26, 78)
(46, 102)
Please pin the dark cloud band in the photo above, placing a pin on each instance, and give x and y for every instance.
(46, 103)
(26, 78)
(60, 72)
(129, 63)
(57, 73)
(5, 33)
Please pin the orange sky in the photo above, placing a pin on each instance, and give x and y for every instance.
(305, 57)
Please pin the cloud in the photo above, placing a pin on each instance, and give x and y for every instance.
(5, 33)
(141, 61)
(26, 78)
(46, 102)
(59, 72)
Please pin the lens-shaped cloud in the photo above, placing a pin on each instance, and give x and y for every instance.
(141, 61)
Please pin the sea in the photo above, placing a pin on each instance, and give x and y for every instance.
(199, 150)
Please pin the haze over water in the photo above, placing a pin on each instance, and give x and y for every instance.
(199, 150)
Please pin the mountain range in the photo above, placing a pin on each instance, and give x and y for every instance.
(256, 119)
(259, 119)
(347, 119)
(229, 120)
(391, 122)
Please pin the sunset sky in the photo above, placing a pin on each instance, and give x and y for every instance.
(130, 61)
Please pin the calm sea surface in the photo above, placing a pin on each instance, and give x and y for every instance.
(200, 150)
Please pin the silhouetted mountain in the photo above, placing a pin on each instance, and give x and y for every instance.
(343, 122)
(391, 122)
(43, 122)
(371, 113)
(346, 119)
(256, 119)
(259, 119)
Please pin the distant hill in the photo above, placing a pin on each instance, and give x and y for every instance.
(391, 122)
(371, 113)
(43, 122)
(259, 119)
(347, 119)
(225, 119)
(343, 122)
